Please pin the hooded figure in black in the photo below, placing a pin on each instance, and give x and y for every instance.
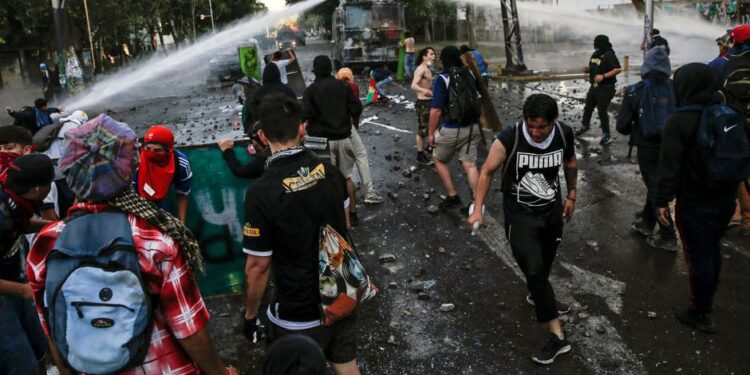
(657, 86)
(294, 355)
(703, 210)
(602, 68)
(328, 104)
(256, 167)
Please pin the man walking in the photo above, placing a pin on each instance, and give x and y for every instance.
(603, 67)
(422, 86)
(282, 63)
(328, 106)
(284, 211)
(531, 153)
(455, 134)
(643, 113)
(408, 44)
(703, 207)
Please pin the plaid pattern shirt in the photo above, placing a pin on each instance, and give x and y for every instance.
(180, 312)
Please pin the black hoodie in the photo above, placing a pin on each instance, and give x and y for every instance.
(682, 165)
(328, 104)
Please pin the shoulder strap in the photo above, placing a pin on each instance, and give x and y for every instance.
(562, 134)
(690, 108)
(512, 151)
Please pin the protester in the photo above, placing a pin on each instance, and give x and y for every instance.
(408, 44)
(603, 67)
(532, 204)
(703, 207)
(658, 41)
(294, 355)
(383, 77)
(360, 152)
(482, 64)
(643, 113)
(98, 164)
(162, 166)
(22, 190)
(328, 106)
(718, 63)
(453, 136)
(283, 63)
(422, 86)
(44, 112)
(15, 139)
(25, 117)
(284, 212)
(257, 165)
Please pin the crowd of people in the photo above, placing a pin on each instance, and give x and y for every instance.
(108, 284)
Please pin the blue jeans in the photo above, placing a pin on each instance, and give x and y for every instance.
(23, 343)
(382, 84)
(702, 224)
(409, 68)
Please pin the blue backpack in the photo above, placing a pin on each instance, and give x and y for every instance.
(724, 138)
(657, 102)
(97, 306)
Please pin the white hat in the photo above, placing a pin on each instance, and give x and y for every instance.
(78, 117)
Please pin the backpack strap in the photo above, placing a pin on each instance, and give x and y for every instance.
(691, 108)
(512, 151)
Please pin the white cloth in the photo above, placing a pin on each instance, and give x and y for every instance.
(282, 64)
(540, 145)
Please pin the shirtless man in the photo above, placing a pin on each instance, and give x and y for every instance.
(408, 44)
(422, 85)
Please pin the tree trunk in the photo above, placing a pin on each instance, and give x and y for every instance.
(427, 33)
(192, 10)
(470, 26)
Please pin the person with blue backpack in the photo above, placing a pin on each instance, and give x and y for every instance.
(705, 154)
(113, 283)
(643, 113)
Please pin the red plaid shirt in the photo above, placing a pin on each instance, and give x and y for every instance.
(180, 312)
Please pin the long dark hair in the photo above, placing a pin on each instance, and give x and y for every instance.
(423, 53)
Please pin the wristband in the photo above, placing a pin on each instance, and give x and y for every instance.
(573, 199)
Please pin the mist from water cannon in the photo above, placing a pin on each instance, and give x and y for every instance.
(159, 67)
(691, 38)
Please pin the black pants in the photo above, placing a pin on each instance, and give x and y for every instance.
(648, 163)
(702, 224)
(598, 97)
(534, 239)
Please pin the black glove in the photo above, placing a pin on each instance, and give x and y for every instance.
(253, 330)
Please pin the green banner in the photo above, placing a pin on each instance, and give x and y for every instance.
(401, 55)
(250, 61)
(215, 216)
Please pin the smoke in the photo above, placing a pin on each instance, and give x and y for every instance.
(166, 75)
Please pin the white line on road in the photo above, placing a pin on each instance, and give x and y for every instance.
(599, 352)
(386, 126)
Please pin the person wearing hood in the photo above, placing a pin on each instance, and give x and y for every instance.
(22, 190)
(703, 209)
(255, 168)
(642, 120)
(294, 355)
(718, 63)
(657, 40)
(162, 166)
(603, 67)
(328, 107)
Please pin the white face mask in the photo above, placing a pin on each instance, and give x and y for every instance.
(430, 63)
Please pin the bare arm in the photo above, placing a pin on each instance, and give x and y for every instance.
(292, 56)
(495, 159)
(418, 75)
(200, 349)
(571, 181)
(37, 225)
(12, 288)
(182, 207)
(257, 272)
(435, 114)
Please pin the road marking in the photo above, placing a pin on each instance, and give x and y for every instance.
(369, 121)
(604, 353)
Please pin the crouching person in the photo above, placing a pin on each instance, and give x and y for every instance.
(113, 283)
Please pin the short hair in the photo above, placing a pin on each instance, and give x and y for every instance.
(407, 34)
(423, 53)
(464, 48)
(39, 103)
(540, 105)
(276, 55)
(279, 116)
(450, 56)
(15, 134)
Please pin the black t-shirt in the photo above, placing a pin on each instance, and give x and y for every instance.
(531, 178)
(284, 211)
(10, 231)
(601, 63)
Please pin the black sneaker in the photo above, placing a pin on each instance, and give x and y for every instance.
(562, 308)
(551, 350)
(582, 130)
(423, 159)
(701, 322)
(353, 219)
(666, 244)
(450, 202)
(641, 227)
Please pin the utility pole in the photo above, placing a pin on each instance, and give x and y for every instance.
(91, 41)
(648, 25)
(211, 10)
(512, 30)
(57, 8)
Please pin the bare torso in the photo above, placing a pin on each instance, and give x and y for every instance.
(423, 79)
(409, 45)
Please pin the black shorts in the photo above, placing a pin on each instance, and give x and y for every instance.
(339, 341)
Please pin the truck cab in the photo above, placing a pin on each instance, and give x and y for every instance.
(367, 33)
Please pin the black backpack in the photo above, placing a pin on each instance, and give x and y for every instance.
(736, 85)
(465, 106)
(44, 137)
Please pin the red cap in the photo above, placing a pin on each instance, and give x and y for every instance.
(740, 34)
(159, 134)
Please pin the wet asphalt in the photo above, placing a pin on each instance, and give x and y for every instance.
(623, 293)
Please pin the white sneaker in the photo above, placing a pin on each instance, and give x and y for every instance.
(373, 198)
